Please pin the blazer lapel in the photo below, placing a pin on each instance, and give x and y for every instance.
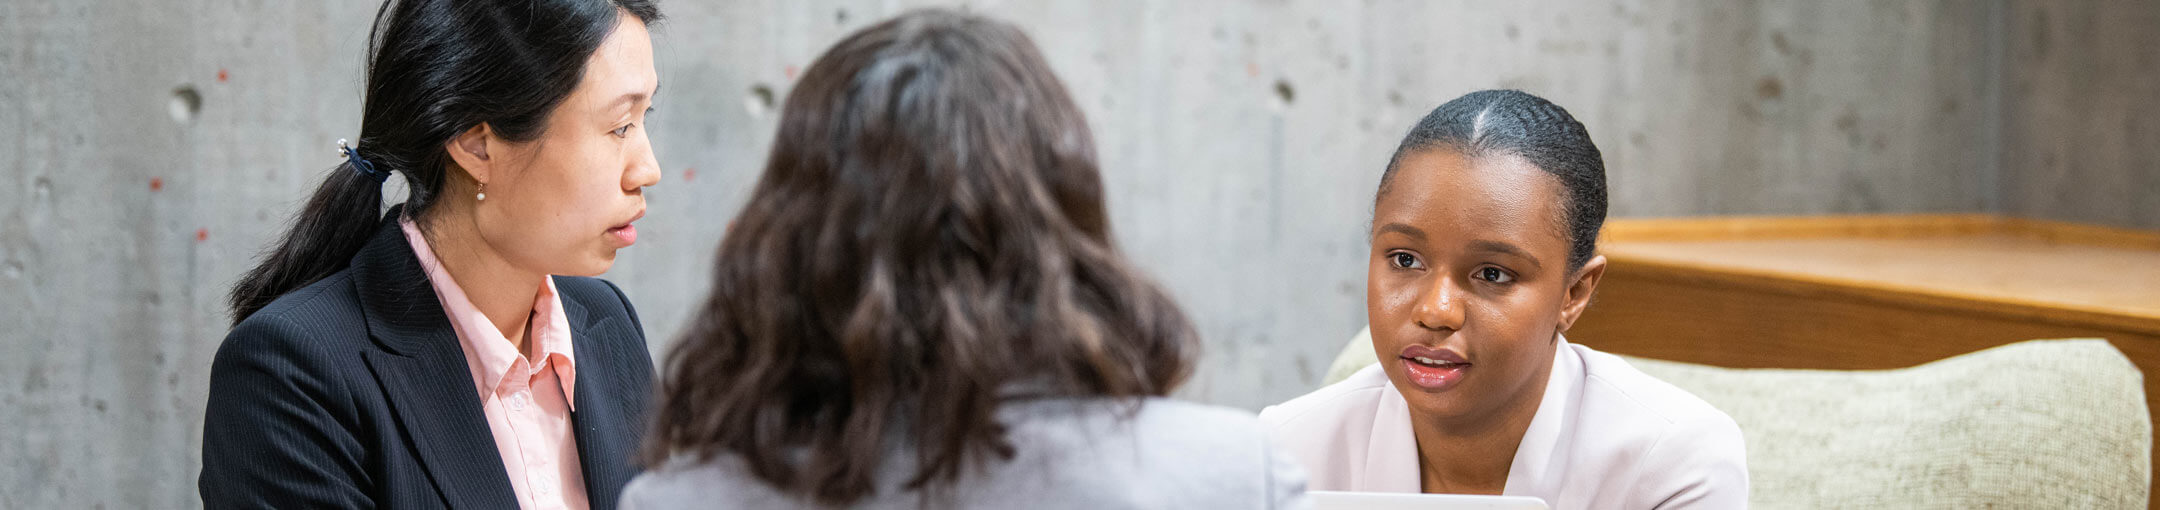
(607, 433)
(423, 374)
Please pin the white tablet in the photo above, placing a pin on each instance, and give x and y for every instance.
(1331, 500)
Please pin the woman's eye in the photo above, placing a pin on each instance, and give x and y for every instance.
(1493, 274)
(622, 131)
(1403, 260)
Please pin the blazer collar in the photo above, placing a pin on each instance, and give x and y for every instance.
(449, 429)
(607, 431)
(420, 357)
(401, 309)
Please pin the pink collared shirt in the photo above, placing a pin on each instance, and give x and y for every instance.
(527, 400)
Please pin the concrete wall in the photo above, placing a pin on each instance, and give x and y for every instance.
(149, 149)
(2081, 112)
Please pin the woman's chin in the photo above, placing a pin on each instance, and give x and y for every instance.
(594, 264)
(1450, 403)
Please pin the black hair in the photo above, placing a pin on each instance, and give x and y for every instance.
(1513, 122)
(436, 68)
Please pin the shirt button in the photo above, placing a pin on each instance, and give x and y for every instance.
(517, 401)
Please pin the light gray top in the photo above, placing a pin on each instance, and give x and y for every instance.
(1078, 454)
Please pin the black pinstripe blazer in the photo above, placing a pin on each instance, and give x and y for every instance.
(352, 392)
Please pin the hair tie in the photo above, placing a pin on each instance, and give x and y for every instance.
(367, 168)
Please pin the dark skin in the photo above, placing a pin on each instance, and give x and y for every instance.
(1469, 257)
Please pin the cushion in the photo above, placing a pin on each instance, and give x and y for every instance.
(2036, 424)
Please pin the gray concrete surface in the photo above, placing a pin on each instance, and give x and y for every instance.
(2081, 112)
(148, 149)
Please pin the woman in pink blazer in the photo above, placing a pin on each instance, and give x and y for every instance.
(1483, 253)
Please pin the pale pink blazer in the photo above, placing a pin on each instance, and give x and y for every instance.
(1605, 436)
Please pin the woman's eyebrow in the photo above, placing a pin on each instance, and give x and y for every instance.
(1403, 229)
(631, 98)
(1500, 247)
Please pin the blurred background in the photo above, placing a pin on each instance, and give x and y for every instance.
(149, 149)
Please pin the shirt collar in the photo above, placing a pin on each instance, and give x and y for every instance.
(1391, 456)
(489, 355)
(1540, 465)
(1391, 460)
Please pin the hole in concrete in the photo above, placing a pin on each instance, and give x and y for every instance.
(186, 102)
(839, 17)
(1284, 93)
(760, 100)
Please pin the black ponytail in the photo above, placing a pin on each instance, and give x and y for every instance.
(436, 68)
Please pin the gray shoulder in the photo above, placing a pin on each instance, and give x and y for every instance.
(1154, 425)
(719, 483)
(1182, 415)
(1260, 474)
(1163, 454)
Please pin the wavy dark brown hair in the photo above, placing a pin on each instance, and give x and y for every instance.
(928, 243)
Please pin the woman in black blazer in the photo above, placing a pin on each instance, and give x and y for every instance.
(349, 379)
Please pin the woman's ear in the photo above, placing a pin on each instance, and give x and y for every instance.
(470, 151)
(1580, 289)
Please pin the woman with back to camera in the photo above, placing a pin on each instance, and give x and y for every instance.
(1483, 253)
(427, 358)
(921, 307)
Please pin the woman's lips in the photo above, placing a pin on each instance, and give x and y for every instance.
(626, 234)
(1433, 369)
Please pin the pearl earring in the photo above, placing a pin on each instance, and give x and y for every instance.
(482, 195)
